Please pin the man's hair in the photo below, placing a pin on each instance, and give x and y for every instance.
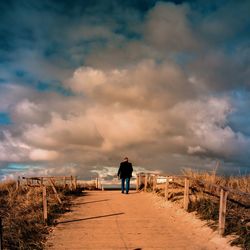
(126, 158)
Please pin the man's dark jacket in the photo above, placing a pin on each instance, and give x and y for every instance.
(125, 170)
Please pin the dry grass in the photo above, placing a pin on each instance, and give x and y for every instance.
(207, 204)
(22, 215)
(241, 183)
(204, 200)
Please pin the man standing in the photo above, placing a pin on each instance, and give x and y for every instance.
(125, 173)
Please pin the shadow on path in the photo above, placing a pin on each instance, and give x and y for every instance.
(82, 203)
(90, 218)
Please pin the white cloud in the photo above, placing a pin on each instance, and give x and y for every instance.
(43, 155)
(61, 133)
(145, 85)
(12, 149)
(11, 93)
(195, 149)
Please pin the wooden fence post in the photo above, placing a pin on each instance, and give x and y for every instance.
(149, 181)
(154, 182)
(166, 188)
(137, 183)
(222, 212)
(186, 193)
(64, 181)
(54, 189)
(71, 182)
(97, 183)
(75, 182)
(45, 209)
(146, 182)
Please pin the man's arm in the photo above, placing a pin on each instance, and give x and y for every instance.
(131, 169)
(119, 171)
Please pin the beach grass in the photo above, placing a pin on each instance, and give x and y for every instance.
(21, 211)
(204, 201)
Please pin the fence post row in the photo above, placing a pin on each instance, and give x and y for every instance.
(222, 212)
(40, 181)
(224, 191)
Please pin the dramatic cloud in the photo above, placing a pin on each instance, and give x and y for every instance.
(84, 84)
(168, 28)
(147, 85)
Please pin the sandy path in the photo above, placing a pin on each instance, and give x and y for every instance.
(111, 220)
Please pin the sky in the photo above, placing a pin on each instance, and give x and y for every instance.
(85, 83)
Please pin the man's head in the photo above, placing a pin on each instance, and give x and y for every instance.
(126, 158)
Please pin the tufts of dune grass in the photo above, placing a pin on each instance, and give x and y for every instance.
(241, 183)
(204, 200)
(22, 215)
(206, 204)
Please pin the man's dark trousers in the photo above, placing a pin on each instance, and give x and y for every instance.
(127, 184)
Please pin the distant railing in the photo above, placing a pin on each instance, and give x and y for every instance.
(146, 178)
(70, 181)
(114, 184)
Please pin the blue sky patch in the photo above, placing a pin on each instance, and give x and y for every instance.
(18, 166)
(5, 118)
(53, 87)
